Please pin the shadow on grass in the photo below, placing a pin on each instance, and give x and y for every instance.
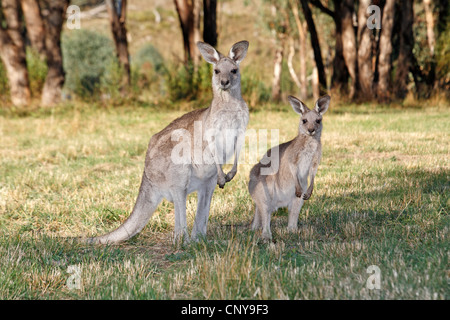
(416, 200)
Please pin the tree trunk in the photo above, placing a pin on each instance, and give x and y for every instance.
(117, 17)
(339, 79)
(301, 27)
(303, 69)
(35, 25)
(278, 66)
(384, 57)
(291, 66)
(430, 25)
(195, 53)
(315, 83)
(12, 53)
(186, 16)
(53, 21)
(316, 46)
(405, 57)
(365, 43)
(209, 22)
(349, 44)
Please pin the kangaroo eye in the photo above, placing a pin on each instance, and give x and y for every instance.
(318, 120)
(216, 71)
(234, 71)
(304, 121)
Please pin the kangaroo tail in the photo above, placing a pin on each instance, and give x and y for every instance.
(146, 203)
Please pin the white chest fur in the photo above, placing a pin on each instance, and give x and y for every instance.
(228, 125)
(306, 157)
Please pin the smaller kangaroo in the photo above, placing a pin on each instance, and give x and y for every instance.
(297, 159)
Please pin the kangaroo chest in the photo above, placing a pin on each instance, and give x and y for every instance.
(227, 125)
(306, 157)
(235, 118)
(221, 129)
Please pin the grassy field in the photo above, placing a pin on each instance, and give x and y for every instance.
(381, 198)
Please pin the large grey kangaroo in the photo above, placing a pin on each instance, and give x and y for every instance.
(171, 176)
(297, 159)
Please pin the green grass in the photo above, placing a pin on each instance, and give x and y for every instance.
(381, 198)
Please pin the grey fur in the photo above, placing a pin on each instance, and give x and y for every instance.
(163, 178)
(297, 159)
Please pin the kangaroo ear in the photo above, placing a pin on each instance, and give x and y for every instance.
(238, 51)
(208, 52)
(322, 104)
(297, 105)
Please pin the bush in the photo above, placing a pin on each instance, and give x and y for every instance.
(112, 80)
(148, 70)
(185, 82)
(37, 71)
(148, 54)
(254, 90)
(4, 88)
(88, 59)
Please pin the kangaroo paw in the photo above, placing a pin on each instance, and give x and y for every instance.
(230, 175)
(221, 181)
(307, 195)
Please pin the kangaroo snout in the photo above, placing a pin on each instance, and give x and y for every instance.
(225, 84)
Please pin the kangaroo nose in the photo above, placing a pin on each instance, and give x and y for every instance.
(311, 130)
(225, 82)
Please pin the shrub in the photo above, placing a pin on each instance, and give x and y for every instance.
(37, 71)
(185, 82)
(4, 88)
(87, 58)
(149, 54)
(112, 80)
(148, 70)
(254, 90)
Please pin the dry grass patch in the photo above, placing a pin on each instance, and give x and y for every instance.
(381, 198)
